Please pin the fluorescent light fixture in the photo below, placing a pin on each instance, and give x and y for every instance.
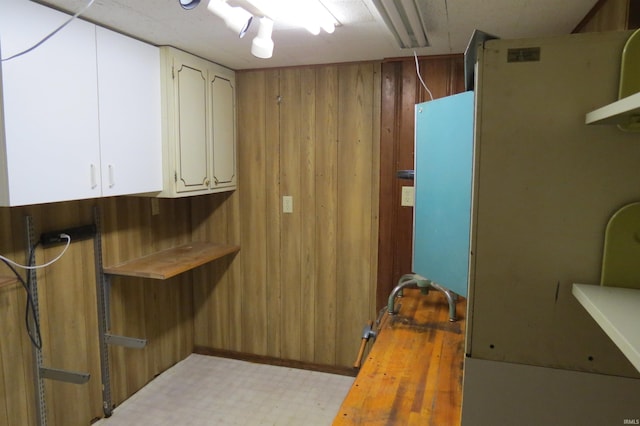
(236, 18)
(262, 46)
(405, 21)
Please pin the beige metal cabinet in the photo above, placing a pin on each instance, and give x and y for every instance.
(199, 141)
(545, 186)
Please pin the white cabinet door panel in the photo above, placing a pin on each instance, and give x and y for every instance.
(50, 107)
(130, 116)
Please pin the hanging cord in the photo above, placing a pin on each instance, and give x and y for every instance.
(54, 32)
(34, 333)
(420, 77)
(29, 267)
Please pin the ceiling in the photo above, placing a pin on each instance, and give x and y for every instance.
(362, 34)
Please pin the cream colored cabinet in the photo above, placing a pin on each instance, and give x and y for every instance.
(199, 141)
(224, 128)
(81, 114)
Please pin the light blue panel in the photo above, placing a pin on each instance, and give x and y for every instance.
(442, 212)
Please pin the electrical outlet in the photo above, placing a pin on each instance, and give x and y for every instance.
(408, 196)
(287, 204)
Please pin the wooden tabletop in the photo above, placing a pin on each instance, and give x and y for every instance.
(413, 373)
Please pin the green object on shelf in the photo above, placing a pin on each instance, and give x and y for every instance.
(621, 257)
(630, 73)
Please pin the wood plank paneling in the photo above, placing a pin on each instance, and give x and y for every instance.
(401, 90)
(291, 232)
(16, 392)
(213, 285)
(68, 309)
(388, 191)
(253, 199)
(326, 190)
(235, 272)
(355, 159)
(308, 221)
(16, 397)
(307, 275)
(273, 213)
(606, 15)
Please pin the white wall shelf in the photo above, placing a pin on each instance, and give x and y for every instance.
(625, 111)
(617, 311)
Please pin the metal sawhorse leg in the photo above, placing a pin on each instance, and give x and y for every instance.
(424, 284)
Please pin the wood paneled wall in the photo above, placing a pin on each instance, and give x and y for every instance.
(161, 312)
(401, 90)
(606, 15)
(301, 288)
(305, 282)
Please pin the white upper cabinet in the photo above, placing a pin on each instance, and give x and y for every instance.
(199, 136)
(81, 113)
(49, 147)
(130, 114)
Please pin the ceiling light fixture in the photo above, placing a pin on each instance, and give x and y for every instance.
(309, 14)
(188, 4)
(262, 46)
(405, 20)
(236, 18)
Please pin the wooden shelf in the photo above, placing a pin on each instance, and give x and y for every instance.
(7, 281)
(617, 311)
(169, 263)
(625, 111)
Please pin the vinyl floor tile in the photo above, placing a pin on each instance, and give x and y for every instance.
(205, 390)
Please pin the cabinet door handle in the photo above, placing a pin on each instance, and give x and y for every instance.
(112, 181)
(94, 183)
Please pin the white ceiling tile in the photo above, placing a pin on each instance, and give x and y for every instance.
(362, 35)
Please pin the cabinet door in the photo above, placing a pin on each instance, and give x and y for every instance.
(50, 107)
(191, 130)
(130, 116)
(224, 131)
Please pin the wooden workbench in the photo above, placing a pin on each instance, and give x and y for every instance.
(413, 373)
